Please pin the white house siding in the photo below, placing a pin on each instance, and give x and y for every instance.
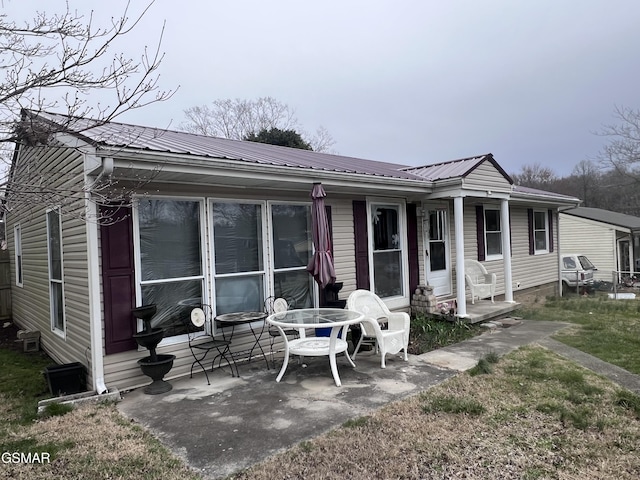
(31, 307)
(343, 245)
(594, 239)
(487, 177)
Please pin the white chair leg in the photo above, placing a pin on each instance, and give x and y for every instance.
(357, 349)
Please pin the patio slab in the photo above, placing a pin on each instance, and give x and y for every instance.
(234, 423)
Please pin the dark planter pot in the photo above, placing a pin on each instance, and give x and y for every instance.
(156, 370)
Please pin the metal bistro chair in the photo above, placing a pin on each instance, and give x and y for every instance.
(202, 341)
(277, 305)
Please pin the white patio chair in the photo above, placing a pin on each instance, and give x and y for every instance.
(276, 305)
(481, 283)
(390, 340)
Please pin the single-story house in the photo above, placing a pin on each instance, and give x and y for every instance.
(228, 222)
(611, 240)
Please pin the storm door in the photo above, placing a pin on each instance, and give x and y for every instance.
(437, 257)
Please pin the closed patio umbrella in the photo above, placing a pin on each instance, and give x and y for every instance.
(321, 263)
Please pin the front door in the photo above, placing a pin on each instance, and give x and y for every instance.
(437, 261)
(437, 256)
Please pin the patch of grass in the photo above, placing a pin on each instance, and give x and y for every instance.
(629, 401)
(483, 366)
(451, 404)
(431, 332)
(356, 422)
(56, 409)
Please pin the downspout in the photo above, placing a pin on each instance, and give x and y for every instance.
(93, 262)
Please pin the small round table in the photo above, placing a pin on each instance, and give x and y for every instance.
(302, 319)
(241, 318)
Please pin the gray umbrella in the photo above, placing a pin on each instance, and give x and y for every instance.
(321, 263)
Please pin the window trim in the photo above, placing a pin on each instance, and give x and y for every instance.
(19, 256)
(541, 251)
(397, 301)
(487, 255)
(61, 332)
(139, 283)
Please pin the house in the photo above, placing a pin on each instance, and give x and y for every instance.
(611, 240)
(228, 222)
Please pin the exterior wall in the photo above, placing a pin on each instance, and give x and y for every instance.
(31, 303)
(486, 177)
(596, 240)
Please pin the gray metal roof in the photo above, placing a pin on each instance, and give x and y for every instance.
(606, 216)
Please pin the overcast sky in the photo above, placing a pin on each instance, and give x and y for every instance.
(413, 82)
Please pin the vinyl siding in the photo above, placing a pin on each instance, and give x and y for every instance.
(594, 239)
(487, 177)
(31, 303)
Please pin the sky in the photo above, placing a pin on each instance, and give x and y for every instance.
(414, 82)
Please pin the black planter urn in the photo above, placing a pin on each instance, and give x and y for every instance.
(154, 366)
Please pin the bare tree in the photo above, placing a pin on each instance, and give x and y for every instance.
(622, 153)
(586, 177)
(534, 176)
(238, 119)
(59, 62)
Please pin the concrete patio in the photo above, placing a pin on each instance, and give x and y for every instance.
(237, 422)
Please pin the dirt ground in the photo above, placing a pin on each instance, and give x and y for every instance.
(9, 336)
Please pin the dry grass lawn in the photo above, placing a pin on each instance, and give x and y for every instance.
(533, 416)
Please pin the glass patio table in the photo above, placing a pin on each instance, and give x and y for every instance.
(330, 346)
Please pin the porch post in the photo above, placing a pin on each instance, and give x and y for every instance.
(458, 215)
(506, 250)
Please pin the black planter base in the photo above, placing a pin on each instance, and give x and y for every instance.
(157, 370)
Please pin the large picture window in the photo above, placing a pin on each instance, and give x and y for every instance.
(239, 259)
(171, 270)
(56, 285)
(387, 251)
(493, 232)
(292, 250)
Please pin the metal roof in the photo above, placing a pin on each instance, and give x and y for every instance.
(606, 216)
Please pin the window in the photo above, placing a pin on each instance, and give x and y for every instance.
(171, 265)
(17, 237)
(540, 232)
(387, 253)
(492, 232)
(292, 250)
(239, 268)
(56, 286)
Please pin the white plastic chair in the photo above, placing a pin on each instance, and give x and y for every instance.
(481, 283)
(391, 340)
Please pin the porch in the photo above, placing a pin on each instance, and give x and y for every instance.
(484, 310)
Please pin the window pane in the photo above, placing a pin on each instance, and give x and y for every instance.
(494, 244)
(296, 287)
(174, 301)
(387, 272)
(492, 218)
(57, 311)
(539, 220)
(237, 231)
(169, 239)
(541, 240)
(437, 257)
(385, 227)
(55, 252)
(291, 235)
(239, 294)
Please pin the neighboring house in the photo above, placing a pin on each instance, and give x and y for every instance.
(228, 222)
(609, 239)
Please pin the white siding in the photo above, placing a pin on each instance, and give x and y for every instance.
(594, 239)
(487, 177)
(62, 168)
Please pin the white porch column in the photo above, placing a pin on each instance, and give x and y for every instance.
(458, 215)
(506, 250)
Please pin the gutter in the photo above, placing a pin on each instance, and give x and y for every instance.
(93, 262)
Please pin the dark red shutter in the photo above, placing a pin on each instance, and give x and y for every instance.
(361, 244)
(412, 244)
(480, 232)
(532, 240)
(118, 280)
(550, 216)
